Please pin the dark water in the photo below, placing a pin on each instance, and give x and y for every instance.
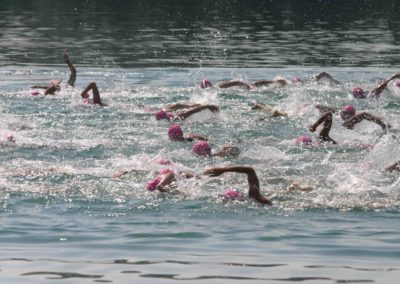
(201, 33)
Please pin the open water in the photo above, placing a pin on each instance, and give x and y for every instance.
(65, 219)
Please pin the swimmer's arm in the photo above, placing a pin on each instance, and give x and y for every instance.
(176, 106)
(40, 87)
(379, 89)
(325, 109)
(365, 115)
(194, 137)
(84, 93)
(270, 109)
(322, 119)
(254, 186)
(263, 83)
(51, 89)
(321, 75)
(234, 83)
(165, 182)
(121, 173)
(196, 109)
(393, 167)
(72, 77)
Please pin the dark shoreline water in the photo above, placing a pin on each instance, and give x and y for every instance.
(176, 33)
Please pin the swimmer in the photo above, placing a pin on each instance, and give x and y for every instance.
(96, 95)
(270, 109)
(254, 186)
(202, 148)
(351, 118)
(190, 109)
(166, 179)
(50, 89)
(72, 76)
(284, 82)
(54, 85)
(359, 93)
(175, 133)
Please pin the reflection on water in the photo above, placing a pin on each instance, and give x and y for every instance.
(321, 273)
(207, 33)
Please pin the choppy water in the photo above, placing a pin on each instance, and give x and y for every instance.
(66, 219)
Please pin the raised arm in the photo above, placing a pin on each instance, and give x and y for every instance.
(254, 186)
(324, 133)
(196, 109)
(322, 75)
(364, 115)
(72, 76)
(234, 83)
(375, 92)
(96, 94)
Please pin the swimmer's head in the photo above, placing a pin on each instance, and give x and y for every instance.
(152, 185)
(35, 93)
(201, 148)
(231, 193)
(175, 133)
(347, 112)
(358, 93)
(303, 140)
(162, 114)
(296, 80)
(205, 84)
(85, 95)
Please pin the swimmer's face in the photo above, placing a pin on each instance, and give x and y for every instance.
(85, 95)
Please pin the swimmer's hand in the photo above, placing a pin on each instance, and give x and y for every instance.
(312, 128)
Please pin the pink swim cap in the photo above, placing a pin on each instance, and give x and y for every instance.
(296, 80)
(175, 133)
(398, 84)
(201, 148)
(358, 93)
(152, 185)
(231, 193)
(162, 114)
(205, 84)
(35, 93)
(304, 139)
(349, 109)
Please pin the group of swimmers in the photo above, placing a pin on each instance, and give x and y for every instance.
(167, 178)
